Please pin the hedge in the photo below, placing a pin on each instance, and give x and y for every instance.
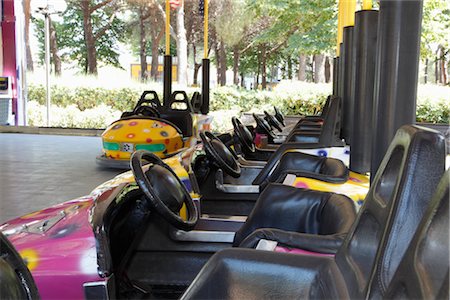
(96, 107)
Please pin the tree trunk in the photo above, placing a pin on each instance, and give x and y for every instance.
(142, 45)
(436, 67)
(319, 69)
(54, 49)
(91, 63)
(425, 75)
(263, 67)
(196, 65)
(302, 67)
(223, 64)
(289, 68)
(181, 47)
(156, 37)
(327, 70)
(217, 54)
(443, 67)
(236, 65)
(27, 13)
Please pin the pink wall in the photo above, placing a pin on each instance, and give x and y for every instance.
(8, 33)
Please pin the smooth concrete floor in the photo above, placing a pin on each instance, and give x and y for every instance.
(37, 171)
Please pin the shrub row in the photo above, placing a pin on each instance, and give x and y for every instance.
(88, 107)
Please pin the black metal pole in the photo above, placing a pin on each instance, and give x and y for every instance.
(205, 86)
(167, 79)
(396, 76)
(347, 105)
(364, 56)
(335, 75)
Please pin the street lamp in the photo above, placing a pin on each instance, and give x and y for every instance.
(47, 8)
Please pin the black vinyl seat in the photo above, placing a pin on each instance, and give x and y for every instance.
(424, 269)
(216, 199)
(385, 225)
(302, 165)
(182, 117)
(301, 211)
(329, 131)
(327, 135)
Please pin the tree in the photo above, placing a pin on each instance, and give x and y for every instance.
(194, 34)
(147, 18)
(96, 38)
(181, 46)
(435, 42)
(299, 27)
(55, 58)
(27, 14)
(230, 22)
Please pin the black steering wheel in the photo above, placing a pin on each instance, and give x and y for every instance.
(273, 121)
(225, 158)
(244, 135)
(279, 116)
(163, 189)
(146, 110)
(264, 126)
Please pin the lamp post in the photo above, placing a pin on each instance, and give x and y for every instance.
(46, 8)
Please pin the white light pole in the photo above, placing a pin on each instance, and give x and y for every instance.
(46, 8)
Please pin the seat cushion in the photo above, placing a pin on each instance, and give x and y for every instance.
(298, 210)
(254, 274)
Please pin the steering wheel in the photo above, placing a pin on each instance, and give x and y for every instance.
(222, 156)
(273, 121)
(279, 116)
(147, 111)
(164, 190)
(263, 125)
(244, 135)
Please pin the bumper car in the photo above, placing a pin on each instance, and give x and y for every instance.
(228, 186)
(149, 126)
(144, 234)
(260, 145)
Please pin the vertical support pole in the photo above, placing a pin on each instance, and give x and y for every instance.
(205, 86)
(205, 64)
(340, 70)
(396, 76)
(167, 84)
(167, 27)
(347, 105)
(47, 65)
(205, 29)
(167, 79)
(364, 56)
(335, 75)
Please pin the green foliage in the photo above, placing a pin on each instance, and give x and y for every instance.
(435, 27)
(70, 36)
(86, 97)
(91, 107)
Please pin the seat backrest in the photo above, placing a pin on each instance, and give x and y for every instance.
(182, 117)
(196, 102)
(331, 124)
(311, 166)
(302, 164)
(299, 210)
(423, 271)
(325, 108)
(397, 199)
